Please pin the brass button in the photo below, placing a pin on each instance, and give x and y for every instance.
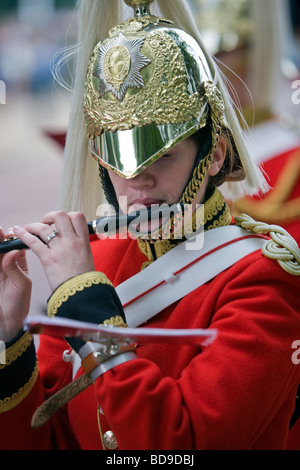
(110, 440)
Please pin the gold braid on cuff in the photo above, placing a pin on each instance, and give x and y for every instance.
(72, 286)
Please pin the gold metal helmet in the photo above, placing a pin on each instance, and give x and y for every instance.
(148, 87)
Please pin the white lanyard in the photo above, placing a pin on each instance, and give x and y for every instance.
(182, 270)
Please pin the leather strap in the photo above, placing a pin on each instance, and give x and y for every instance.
(95, 358)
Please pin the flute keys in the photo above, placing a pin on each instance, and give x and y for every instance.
(9, 239)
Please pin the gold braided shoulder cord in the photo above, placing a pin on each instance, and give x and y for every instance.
(282, 247)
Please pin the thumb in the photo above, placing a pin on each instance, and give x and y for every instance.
(12, 269)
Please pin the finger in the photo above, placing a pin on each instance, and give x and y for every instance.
(32, 241)
(50, 217)
(41, 230)
(22, 261)
(79, 223)
(2, 237)
(13, 269)
(5, 236)
(61, 221)
(9, 233)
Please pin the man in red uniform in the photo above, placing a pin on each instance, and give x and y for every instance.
(161, 126)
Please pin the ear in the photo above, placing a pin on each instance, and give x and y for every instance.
(218, 158)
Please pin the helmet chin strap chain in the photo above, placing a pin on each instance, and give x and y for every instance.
(203, 166)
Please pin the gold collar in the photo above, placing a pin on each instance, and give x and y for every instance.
(216, 214)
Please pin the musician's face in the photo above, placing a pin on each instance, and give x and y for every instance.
(164, 181)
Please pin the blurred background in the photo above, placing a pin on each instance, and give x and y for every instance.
(32, 32)
(257, 44)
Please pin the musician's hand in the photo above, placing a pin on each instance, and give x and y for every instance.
(15, 292)
(68, 253)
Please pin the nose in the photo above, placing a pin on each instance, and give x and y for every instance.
(145, 179)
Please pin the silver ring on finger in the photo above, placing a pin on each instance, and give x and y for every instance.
(51, 236)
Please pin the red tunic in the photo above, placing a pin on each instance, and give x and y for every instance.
(238, 393)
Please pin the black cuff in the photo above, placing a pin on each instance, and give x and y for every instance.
(18, 374)
(89, 297)
(10, 343)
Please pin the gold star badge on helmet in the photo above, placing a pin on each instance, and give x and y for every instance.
(119, 65)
